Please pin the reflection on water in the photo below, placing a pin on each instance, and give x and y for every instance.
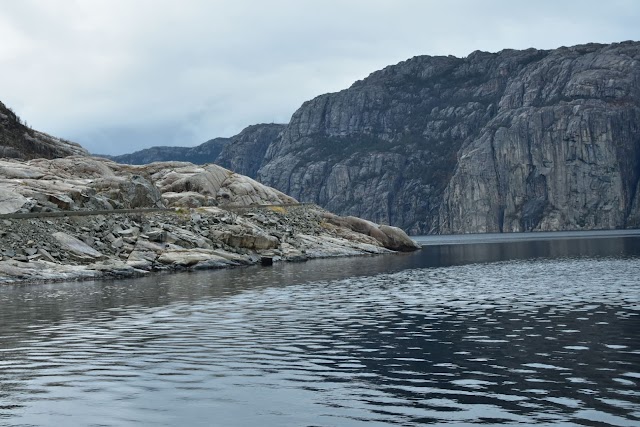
(497, 333)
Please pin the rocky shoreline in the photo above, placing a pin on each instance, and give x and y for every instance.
(87, 218)
(119, 245)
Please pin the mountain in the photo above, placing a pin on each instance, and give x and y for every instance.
(494, 142)
(18, 141)
(203, 153)
(517, 140)
(244, 151)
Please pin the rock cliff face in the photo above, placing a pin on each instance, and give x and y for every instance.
(511, 141)
(245, 153)
(21, 142)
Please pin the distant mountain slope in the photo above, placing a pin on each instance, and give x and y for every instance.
(242, 153)
(203, 153)
(21, 142)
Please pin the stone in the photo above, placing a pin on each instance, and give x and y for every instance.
(62, 201)
(253, 241)
(131, 231)
(46, 255)
(11, 202)
(189, 258)
(157, 235)
(398, 239)
(144, 254)
(76, 248)
(117, 243)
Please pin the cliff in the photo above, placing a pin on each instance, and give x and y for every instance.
(245, 152)
(508, 141)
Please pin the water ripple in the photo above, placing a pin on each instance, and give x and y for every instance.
(529, 342)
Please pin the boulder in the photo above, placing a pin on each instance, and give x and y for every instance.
(189, 258)
(390, 237)
(141, 193)
(253, 241)
(144, 254)
(62, 201)
(398, 239)
(77, 248)
(10, 201)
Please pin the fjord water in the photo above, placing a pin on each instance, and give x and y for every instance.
(529, 332)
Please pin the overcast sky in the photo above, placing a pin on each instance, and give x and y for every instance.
(122, 75)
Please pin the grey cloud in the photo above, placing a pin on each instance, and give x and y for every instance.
(120, 75)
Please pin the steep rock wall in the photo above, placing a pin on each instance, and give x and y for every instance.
(511, 141)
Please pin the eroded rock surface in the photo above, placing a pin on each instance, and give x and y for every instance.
(91, 183)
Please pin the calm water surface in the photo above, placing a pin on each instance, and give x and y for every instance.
(543, 332)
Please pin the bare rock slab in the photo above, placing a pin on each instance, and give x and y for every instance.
(10, 201)
(77, 248)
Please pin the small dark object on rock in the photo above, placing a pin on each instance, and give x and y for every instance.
(266, 261)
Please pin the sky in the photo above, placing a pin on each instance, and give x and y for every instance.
(121, 75)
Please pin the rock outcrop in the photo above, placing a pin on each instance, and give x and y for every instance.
(81, 221)
(19, 141)
(92, 183)
(245, 152)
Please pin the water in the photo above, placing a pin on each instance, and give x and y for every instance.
(501, 333)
